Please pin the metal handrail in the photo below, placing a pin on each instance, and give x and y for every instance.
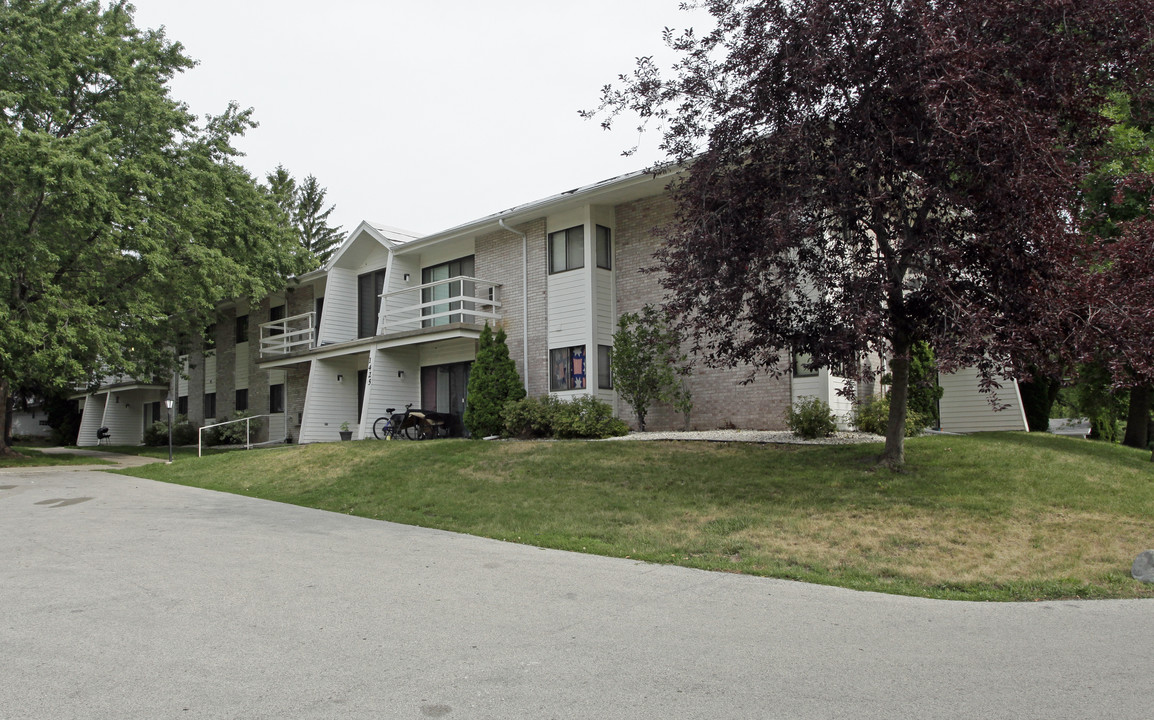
(247, 430)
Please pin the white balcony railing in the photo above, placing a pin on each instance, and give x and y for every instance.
(288, 335)
(456, 300)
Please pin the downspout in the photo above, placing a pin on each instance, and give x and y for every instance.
(524, 298)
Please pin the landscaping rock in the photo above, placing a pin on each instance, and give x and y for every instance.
(1143, 568)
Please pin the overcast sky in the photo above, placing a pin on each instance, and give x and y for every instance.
(421, 115)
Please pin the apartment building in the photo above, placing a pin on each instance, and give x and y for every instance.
(394, 318)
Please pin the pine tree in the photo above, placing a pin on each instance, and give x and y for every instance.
(304, 211)
(311, 219)
(493, 381)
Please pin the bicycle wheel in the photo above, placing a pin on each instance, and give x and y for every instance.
(415, 432)
(382, 428)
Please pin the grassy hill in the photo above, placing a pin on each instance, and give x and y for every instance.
(1001, 516)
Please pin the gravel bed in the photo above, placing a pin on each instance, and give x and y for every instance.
(754, 436)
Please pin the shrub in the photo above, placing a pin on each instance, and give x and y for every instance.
(586, 417)
(873, 416)
(582, 417)
(810, 418)
(183, 433)
(233, 434)
(530, 417)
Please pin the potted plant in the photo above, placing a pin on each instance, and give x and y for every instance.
(346, 434)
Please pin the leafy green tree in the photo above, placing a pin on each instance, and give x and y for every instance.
(493, 381)
(648, 364)
(123, 220)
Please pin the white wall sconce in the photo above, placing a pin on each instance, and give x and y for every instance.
(406, 277)
(340, 378)
(401, 374)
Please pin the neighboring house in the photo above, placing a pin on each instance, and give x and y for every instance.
(29, 420)
(394, 318)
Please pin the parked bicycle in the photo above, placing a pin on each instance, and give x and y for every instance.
(411, 424)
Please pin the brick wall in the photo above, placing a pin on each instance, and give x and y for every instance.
(720, 400)
(499, 258)
(226, 363)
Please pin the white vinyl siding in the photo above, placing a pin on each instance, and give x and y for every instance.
(330, 403)
(91, 420)
(964, 409)
(385, 389)
(568, 309)
(825, 386)
(340, 321)
(210, 372)
(241, 368)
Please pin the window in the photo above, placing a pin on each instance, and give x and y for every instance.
(320, 305)
(369, 289)
(182, 405)
(462, 267)
(275, 313)
(604, 248)
(567, 249)
(604, 377)
(567, 368)
(241, 399)
(276, 399)
(156, 412)
(241, 329)
(800, 360)
(210, 405)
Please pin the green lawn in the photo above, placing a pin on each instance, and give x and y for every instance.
(984, 517)
(34, 458)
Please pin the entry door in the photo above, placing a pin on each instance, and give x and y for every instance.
(444, 388)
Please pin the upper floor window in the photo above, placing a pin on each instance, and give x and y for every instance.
(604, 247)
(450, 292)
(241, 329)
(567, 249)
(369, 289)
(275, 313)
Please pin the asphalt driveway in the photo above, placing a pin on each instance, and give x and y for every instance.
(127, 598)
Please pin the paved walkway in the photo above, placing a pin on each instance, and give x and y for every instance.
(127, 598)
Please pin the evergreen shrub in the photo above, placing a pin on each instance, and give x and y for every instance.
(810, 418)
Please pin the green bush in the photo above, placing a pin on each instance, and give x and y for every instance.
(183, 433)
(586, 417)
(582, 417)
(232, 434)
(810, 418)
(873, 416)
(530, 417)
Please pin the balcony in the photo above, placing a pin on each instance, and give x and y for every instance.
(441, 302)
(288, 335)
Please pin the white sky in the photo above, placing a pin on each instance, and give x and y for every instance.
(421, 115)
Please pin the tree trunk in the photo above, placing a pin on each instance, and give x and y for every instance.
(894, 455)
(1138, 421)
(5, 449)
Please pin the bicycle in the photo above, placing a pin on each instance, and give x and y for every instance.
(412, 424)
(397, 425)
